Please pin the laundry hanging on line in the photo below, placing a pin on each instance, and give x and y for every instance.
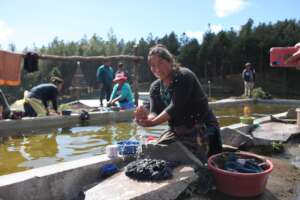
(31, 62)
(10, 68)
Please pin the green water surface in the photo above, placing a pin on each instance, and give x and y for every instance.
(55, 145)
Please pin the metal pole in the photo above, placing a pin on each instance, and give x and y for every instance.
(209, 89)
(136, 78)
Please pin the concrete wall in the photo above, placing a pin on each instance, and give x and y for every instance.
(12, 127)
(59, 181)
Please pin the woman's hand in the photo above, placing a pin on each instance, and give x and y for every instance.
(295, 58)
(141, 113)
(145, 122)
(141, 116)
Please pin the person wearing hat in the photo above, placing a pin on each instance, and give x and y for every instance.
(36, 100)
(248, 75)
(122, 93)
(121, 69)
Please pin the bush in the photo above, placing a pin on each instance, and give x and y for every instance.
(259, 93)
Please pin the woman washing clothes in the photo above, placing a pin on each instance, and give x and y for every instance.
(177, 97)
(122, 94)
(36, 100)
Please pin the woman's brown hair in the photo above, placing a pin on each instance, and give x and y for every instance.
(161, 51)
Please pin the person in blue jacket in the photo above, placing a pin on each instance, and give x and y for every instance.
(122, 93)
(248, 75)
(105, 75)
(44, 92)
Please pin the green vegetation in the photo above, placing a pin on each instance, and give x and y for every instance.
(258, 93)
(219, 57)
(277, 147)
(64, 107)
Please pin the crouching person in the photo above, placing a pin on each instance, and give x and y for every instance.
(36, 100)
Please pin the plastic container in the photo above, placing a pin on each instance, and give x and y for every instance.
(247, 120)
(128, 147)
(112, 151)
(240, 184)
(108, 170)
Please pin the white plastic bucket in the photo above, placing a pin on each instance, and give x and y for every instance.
(112, 151)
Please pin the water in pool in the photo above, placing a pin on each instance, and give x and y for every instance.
(64, 144)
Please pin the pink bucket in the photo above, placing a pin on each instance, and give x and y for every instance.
(241, 184)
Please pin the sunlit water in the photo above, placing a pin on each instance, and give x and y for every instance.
(57, 145)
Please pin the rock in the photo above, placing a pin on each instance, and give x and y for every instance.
(291, 114)
(234, 137)
(274, 131)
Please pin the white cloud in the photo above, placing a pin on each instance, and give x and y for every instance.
(5, 31)
(216, 28)
(195, 34)
(224, 8)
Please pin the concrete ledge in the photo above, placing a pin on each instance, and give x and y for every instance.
(231, 102)
(59, 181)
(291, 102)
(12, 127)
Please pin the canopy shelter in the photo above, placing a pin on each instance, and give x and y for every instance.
(130, 58)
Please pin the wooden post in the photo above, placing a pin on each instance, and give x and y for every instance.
(135, 77)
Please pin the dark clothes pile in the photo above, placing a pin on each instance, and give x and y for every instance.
(234, 163)
(149, 170)
(31, 62)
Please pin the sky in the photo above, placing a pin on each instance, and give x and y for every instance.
(37, 22)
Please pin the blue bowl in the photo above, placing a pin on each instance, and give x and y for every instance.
(128, 147)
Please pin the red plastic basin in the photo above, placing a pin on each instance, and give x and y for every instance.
(240, 184)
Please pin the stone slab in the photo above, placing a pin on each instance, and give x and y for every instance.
(234, 137)
(275, 131)
(120, 187)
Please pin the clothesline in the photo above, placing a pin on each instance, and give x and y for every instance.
(11, 62)
(89, 58)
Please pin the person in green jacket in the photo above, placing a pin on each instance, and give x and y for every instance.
(105, 75)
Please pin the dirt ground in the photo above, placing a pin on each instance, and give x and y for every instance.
(283, 184)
